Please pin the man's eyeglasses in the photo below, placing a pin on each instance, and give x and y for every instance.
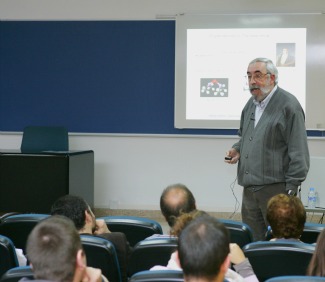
(256, 76)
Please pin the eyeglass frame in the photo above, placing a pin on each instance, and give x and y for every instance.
(256, 76)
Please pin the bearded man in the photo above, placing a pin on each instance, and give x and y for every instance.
(272, 152)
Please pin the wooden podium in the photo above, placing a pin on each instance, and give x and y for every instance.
(30, 183)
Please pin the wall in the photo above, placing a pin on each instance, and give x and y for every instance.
(131, 170)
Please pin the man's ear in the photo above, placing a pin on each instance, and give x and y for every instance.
(225, 265)
(88, 217)
(81, 259)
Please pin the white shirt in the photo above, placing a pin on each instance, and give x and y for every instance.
(260, 106)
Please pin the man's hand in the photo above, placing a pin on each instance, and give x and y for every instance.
(101, 227)
(93, 275)
(234, 155)
(236, 254)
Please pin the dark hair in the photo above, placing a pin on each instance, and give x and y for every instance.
(286, 216)
(203, 247)
(52, 247)
(175, 200)
(316, 265)
(73, 207)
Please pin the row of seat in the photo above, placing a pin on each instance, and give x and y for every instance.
(261, 254)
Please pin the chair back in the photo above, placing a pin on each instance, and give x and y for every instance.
(272, 258)
(17, 227)
(296, 278)
(135, 228)
(8, 257)
(17, 273)
(101, 254)
(44, 138)
(309, 234)
(157, 276)
(239, 232)
(151, 252)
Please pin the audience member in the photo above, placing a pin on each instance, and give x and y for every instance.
(80, 213)
(175, 200)
(316, 266)
(204, 251)
(55, 253)
(287, 216)
(237, 257)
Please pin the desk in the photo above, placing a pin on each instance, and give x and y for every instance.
(316, 210)
(32, 182)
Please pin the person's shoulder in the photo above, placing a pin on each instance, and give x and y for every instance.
(287, 99)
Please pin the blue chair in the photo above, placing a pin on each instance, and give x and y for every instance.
(151, 252)
(296, 278)
(239, 232)
(309, 234)
(135, 228)
(101, 254)
(271, 258)
(17, 273)
(8, 257)
(157, 276)
(37, 139)
(18, 226)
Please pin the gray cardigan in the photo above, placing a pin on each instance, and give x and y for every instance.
(276, 150)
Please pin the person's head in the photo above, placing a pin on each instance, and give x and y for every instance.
(286, 216)
(175, 200)
(184, 219)
(262, 76)
(75, 208)
(285, 51)
(316, 266)
(55, 251)
(203, 249)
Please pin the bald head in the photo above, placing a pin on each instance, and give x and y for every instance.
(175, 200)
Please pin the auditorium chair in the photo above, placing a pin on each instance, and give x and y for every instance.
(8, 258)
(44, 138)
(18, 226)
(101, 254)
(151, 252)
(157, 276)
(272, 258)
(309, 234)
(240, 233)
(17, 273)
(296, 278)
(135, 228)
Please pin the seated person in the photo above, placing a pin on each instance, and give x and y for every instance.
(80, 213)
(55, 253)
(240, 262)
(175, 200)
(204, 251)
(287, 216)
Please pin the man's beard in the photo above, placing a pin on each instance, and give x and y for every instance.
(265, 91)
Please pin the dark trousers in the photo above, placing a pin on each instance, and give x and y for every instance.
(254, 206)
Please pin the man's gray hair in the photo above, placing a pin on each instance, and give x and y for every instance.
(270, 67)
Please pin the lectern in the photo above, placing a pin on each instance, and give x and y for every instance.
(30, 182)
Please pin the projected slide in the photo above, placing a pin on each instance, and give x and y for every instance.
(216, 65)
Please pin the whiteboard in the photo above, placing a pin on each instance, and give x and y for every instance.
(316, 179)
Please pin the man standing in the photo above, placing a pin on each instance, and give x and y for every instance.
(272, 151)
